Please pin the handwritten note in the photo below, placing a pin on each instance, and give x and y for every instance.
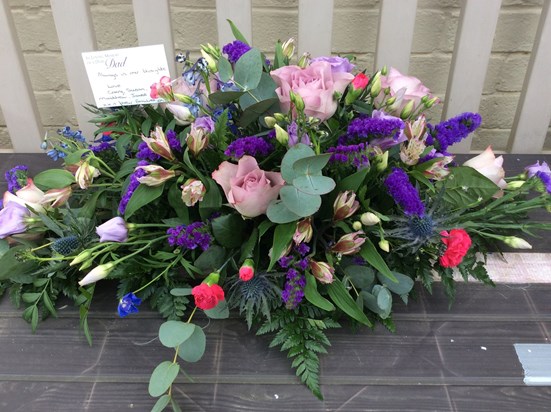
(123, 77)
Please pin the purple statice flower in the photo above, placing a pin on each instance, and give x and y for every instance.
(302, 264)
(303, 249)
(252, 146)
(338, 64)
(16, 177)
(132, 186)
(545, 179)
(128, 304)
(292, 129)
(285, 261)
(173, 141)
(404, 193)
(102, 147)
(355, 154)
(453, 130)
(145, 153)
(378, 131)
(189, 236)
(536, 167)
(235, 50)
(293, 293)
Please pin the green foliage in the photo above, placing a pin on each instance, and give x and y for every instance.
(162, 378)
(302, 336)
(54, 179)
(169, 306)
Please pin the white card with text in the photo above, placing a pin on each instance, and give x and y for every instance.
(123, 77)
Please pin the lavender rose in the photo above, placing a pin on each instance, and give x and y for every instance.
(248, 188)
(316, 84)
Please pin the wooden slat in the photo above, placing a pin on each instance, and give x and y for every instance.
(534, 109)
(396, 23)
(473, 44)
(238, 11)
(16, 98)
(315, 23)
(73, 22)
(147, 11)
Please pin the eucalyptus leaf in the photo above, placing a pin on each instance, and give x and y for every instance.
(314, 185)
(361, 276)
(312, 165)
(220, 311)
(295, 153)
(180, 291)
(162, 377)
(248, 70)
(254, 111)
(403, 285)
(192, 350)
(161, 403)
(264, 91)
(173, 333)
(225, 97)
(225, 71)
(300, 203)
(279, 213)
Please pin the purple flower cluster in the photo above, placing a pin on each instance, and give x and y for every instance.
(173, 141)
(353, 153)
(370, 128)
(545, 179)
(542, 172)
(293, 293)
(15, 177)
(145, 153)
(404, 193)
(132, 186)
(235, 50)
(251, 146)
(128, 304)
(189, 236)
(453, 130)
(293, 131)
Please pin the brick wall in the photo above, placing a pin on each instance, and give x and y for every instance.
(354, 31)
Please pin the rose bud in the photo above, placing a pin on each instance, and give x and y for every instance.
(322, 271)
(349, 244)
(345, 205)
(246, 271)
(193, 191)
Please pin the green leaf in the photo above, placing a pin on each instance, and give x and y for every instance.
(126, 168)
(220, 311)
(313, 296)
(264, 91)
(248, 70)
(314, 185)
(11, 266)
(279, 59)
(211, 259)
(162, 377)
(283, 235)
(180, 291)
(279, 213)
(194, 348)
(295, 153)
(403, 285)
(341, 298)
(248, 246)
(361, 276)
(225, 71)
(142, 196)
(34, 318)
(161, 403)
(372, 256)
(89, 208)
(173, 333)
(465, 187)
(353, 181)
(175, 407)
(370, 302)
(312, 165)
(54, 179)
(75, 157)
(225, 97)
(174, 197)
(254, 111)
(300, 203)
(30, 297)
(4, 247)
(236, 33)
(48, 304)
(212, 201)
(51, 224)
(384, 298)
(228, 230)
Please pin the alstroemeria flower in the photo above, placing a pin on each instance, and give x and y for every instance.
(345, 205)
(85, 174)
(156, 175)
(12, 219)
(248, 188)
(193, 191)
(114, 230)
(322, 271)
(29, 195)
(57, 197)
(162, 89)
(158, 143)
(488, 165)
(349, 244)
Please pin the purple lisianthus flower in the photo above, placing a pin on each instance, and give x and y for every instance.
(338, 64)
(114, 230)
(235, 50)
(128, 304)
(12, 219)
(204, 122)
(292, 129)
(532, 170)
(545, 179)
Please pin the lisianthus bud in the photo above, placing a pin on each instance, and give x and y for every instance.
(516, 184)
(81, 257)
(303, 61)
(184, 98)
(281, 135)
(322, 271)
(375, 87)
(357, 225)
(369, 219)
(156, 175)
(349, 244)
(193, 191)
(303, 232)
(380, 162)
(407, 110)
(428, 104)
(57, 197)
(296, 99)
(210, 61)
(516, 242)
(345, 205)
(280, 117)
(288, 48)
(246, 271)
(181, 112)
(270, 121)
(158, 143)
(114, 230)
(85, 174)
(384, 245)
(98, 273)
(384, 71)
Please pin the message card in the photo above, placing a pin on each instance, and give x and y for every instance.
(123, 77)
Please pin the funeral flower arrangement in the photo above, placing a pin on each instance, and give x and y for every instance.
(299, 193)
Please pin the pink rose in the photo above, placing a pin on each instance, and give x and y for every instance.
(316, 84)
(405, 89)
(247, 188)
(488, 165)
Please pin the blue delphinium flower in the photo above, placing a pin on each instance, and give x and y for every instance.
(128, 304)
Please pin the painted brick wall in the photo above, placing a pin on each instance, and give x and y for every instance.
(354, 31)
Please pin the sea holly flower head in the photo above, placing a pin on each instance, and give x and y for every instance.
(193, 191)
(128, 304)
(114, 230)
